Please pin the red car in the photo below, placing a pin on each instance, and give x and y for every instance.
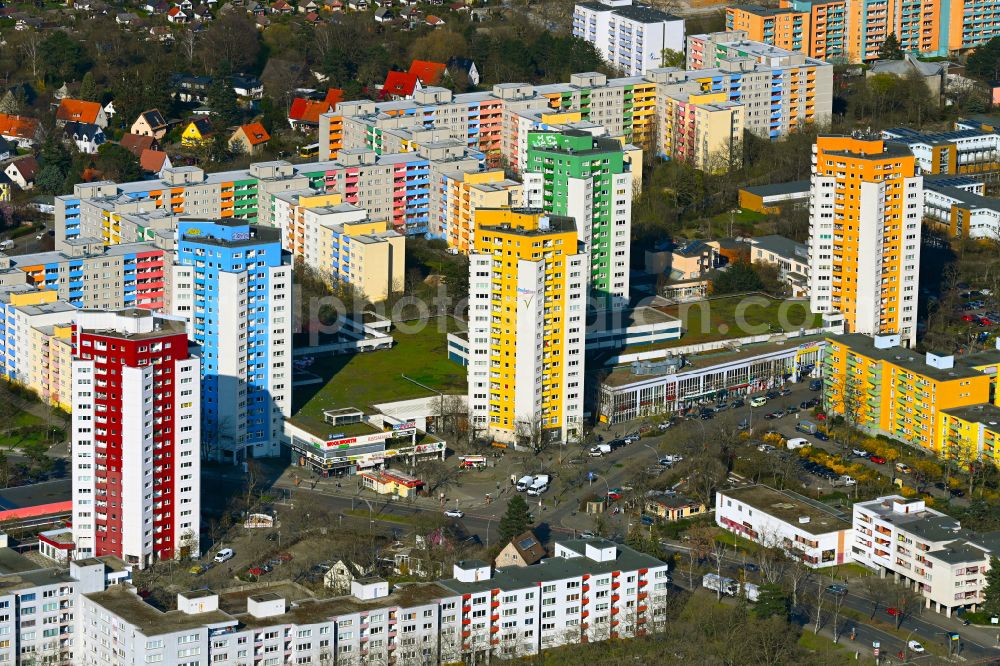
(892, 611)
(878, 460)
(255, 571)
(985, 321)
(821, 417)
(968, 317)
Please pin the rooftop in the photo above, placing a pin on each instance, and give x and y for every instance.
(783, 247)
(775, 189)
(557, 568)
(986, 414)
(124, 602)
(909, 359)
(791, 508)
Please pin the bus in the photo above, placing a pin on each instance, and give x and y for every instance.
(472, 462)
(309, 152)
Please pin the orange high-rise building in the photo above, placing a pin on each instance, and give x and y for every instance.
(865, 206)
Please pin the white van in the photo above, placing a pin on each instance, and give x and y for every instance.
(224, 555)
(798, 443)
(7, 245)
(759, 401)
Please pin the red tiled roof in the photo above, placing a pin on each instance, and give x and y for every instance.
(399, 84)
(78, 110)
(27, 166)
(152, 160)
(255, 133)
(433, 20)
(308, 110)
(136, 143)
(22, 127)
(430, 73)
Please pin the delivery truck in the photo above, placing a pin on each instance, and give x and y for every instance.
(539, 485)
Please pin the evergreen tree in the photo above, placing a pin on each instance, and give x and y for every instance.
(890, 49)
(991, 592)
(516, 520)
(738, 278)
(222, 100)
(771, 602)
(88, 88)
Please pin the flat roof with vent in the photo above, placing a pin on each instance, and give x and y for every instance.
(808, 515)
(986, 414)
(907, 359)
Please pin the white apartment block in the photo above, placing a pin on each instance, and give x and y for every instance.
(39, 606)
(631, 37)
(924, 549)
(589, 591)
(806, 529)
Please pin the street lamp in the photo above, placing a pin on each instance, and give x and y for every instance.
(490, 520)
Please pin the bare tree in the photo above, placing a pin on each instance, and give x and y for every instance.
(877, 590)
(719, 549)
(797, 574)
(188, 43)
(819, 596)
(838, 602)
(771, 558)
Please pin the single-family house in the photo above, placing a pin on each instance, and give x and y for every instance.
(249, 139)
(333, 6)
(22, 172)
(434, 21)
(109, 109)
(20, 130)
(384, 15)
(154, 161)
(87, 137)
(428, 72)
(161, 33)
(400, 85)
(312, 18)
(136, 143)
(357, 5)
(246, 86)
(523, 550)
(311, 6)
(176, 15)
(5, 187)
(192, 88)
(125, 18)
(81, 111)
(344, 572)
(150, 123)
(7, 149)
(256, 9)
(281, 7)
(466, 66)
(671, 506)
(197, 132)
(304, 112)
(202, 13)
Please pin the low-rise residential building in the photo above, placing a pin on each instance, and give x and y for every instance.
(80, 111)
(150, 123)
(806, 529)
(885, 389)
(590, 590)
(391, 482)
(957, 204)
(672, 507)
(924, 549)
(791, 258)
(523, 550)
(963, 150)
(630, 36)
(249, 139)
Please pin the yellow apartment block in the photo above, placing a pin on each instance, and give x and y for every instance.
(883, 388)
(367, 254)
(971, 433)
(289, 216)
(527, 293)
(465, 193)
(864, 228)
(50, 371)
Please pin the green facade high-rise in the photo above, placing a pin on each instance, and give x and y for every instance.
(576, 174)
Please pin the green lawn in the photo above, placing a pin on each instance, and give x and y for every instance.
(730, 317)
(360, 380)
(835, 653)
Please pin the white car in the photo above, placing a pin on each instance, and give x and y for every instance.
(454, 513)
(861, 453)
(914, 646)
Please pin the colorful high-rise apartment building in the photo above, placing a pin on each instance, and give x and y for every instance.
(233, 283)
(464, 194)
(703, 129)
(854, 30)
(586, 178)
(865, 210)
(631, 37)
(32, 323)
(89, 275)
(527, 321)
(136, 432)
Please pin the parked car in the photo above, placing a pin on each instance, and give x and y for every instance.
(914, 646)
(816, 385)
(903, 469)
(224, 555)
(454, 513)
(759, 401)
(822, 436)
(878, 460)
(255, 571)
(969, 317)
(615, 494)
(838, 590)
(771, 395)
(861, 453)
(739, 402)
(892, 611)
